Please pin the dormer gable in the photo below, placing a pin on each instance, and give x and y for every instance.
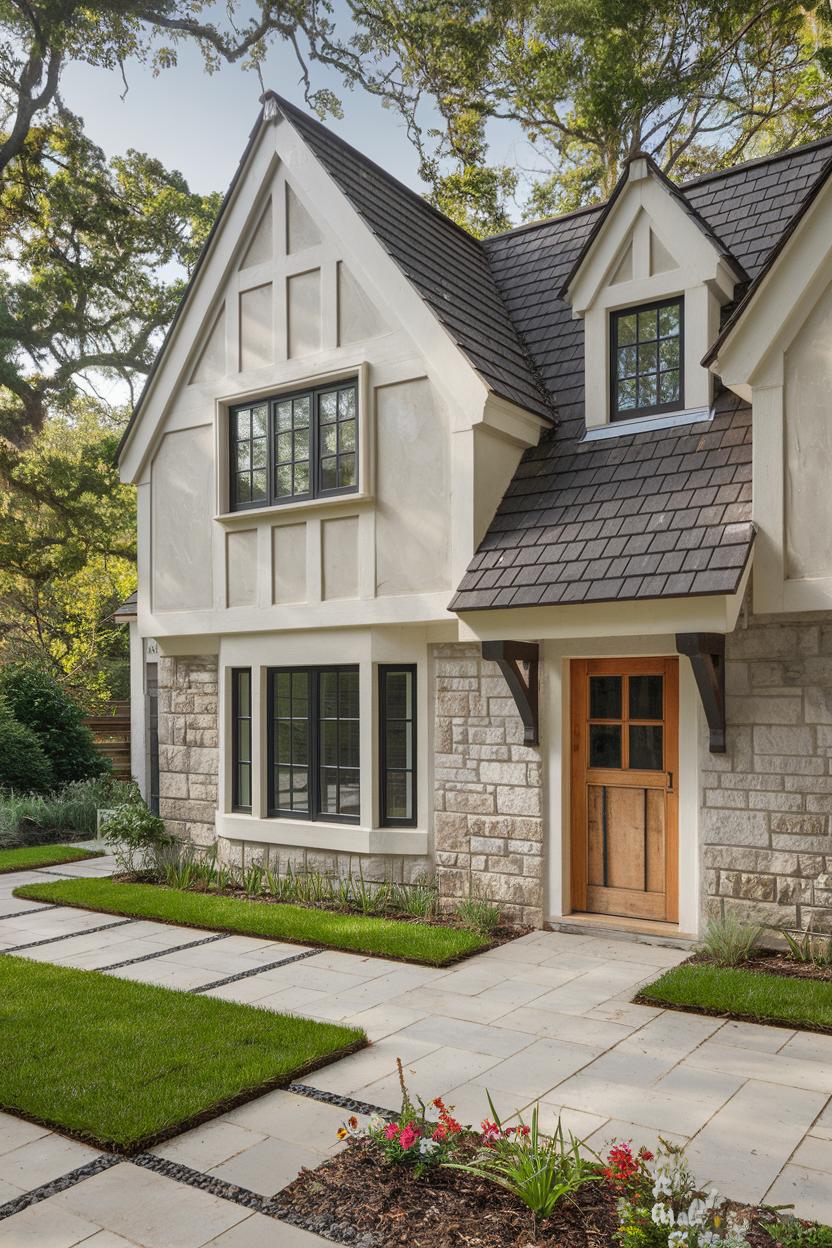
(649, 284)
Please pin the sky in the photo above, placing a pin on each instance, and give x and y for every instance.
(198, 123)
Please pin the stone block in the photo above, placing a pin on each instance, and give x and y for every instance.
(451, 831)
(777, 738)
(452, 704)
(469, 800)
(503, 773)
(516, 801)
(799, 825)
(734, 827)
(818, 705)
(760, 710)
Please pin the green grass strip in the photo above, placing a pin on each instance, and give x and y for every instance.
(413, 942)
(30, 856)
(750, 995)
(122, 1064)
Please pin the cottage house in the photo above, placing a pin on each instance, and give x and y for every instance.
(508, 561)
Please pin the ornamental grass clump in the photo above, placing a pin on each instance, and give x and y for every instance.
(539, 1170)
(660, 1205)
(730, 940)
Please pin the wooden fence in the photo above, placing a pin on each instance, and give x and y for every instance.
(111, 732)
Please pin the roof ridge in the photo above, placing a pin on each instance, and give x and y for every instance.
(308, 119)
(756, 160)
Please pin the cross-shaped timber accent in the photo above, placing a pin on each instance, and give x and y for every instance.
(706, 652)
(509, 655)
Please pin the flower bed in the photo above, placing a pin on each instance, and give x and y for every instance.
(422, 1180)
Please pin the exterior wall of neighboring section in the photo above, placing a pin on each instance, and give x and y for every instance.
(188, 746)
(766, 837)
(488, 793)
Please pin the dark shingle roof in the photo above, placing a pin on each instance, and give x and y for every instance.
(658, 514)
(683, 493)
(448, 267)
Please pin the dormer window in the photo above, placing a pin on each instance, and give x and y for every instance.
(646, 360)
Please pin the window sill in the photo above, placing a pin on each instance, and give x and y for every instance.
(278, 509)
(344, 837)
(644, 424)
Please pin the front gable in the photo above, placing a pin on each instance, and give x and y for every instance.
(649, 246)
(295, 294)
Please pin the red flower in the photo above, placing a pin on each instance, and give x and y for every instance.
(391, 1131)
(408, 1137)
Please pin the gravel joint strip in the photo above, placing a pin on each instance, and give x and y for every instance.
(18, 914)
(349, 1103)
(49, 940)
(37, 1194)
(258, 970)
(149, 957)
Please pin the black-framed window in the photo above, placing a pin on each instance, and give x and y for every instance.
(294, 446)
(647, 359)
(314, 743)
(397, 744)
(241, 738)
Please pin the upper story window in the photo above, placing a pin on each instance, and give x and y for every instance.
(295, 447)
(646, 364)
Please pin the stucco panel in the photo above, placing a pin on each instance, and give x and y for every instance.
(289, 563)
(358, 319)
(256, 327)
(808, 446)
(304, 310)
(339, 539)
(182, 490)
(241, 564)
(413, 492)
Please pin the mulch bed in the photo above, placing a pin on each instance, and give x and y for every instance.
(773, 962)
(356, 1198)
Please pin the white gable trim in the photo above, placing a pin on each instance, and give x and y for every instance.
(277, 140)
(779, 306)
(645, 193)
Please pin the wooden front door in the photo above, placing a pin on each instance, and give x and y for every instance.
(625, 746)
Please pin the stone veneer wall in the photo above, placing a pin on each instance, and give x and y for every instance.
(398, 868)
(487, 790)
(188, 746)
(767, 803)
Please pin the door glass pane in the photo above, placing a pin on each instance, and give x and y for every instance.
(646, 747)
(605, 745)
(605, 697)
(646, 697)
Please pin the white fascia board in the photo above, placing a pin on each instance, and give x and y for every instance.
(782, 301)
(676, 230)
(712, 613)
(514, 423)
(278, 141)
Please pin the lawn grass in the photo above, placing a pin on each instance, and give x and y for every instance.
(393, 938)
(751, 995)
(27, 857)
(121, 1064)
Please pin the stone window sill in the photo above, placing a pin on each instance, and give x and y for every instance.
(343, 837)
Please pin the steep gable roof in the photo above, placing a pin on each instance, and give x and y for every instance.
(448, 267)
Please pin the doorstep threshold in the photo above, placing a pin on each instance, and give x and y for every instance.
(641, 931)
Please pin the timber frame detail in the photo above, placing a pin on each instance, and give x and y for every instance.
(706, 652)
(519, 661)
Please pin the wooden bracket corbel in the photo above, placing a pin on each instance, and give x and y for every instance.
(521, 680)
(706, 652)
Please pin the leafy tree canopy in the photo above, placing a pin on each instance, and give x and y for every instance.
(699, 84)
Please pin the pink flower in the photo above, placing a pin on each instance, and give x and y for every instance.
(408, 1137)
(391, 1131)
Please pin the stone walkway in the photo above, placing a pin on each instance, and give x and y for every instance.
(546, 1018)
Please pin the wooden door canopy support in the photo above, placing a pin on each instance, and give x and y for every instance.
(706, 652)
(518, 661)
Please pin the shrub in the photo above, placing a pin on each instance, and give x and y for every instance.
(479, 915)
(134, 834)
(37, 701)
(730, 940)
(68, 814)
(24, 765)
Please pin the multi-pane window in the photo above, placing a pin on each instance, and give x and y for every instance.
(314, 733)
(241, 738)
(295, 446)
(397, 737)
(646, 359)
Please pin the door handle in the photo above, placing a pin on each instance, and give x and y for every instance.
(670, 782)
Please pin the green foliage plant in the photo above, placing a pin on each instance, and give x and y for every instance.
(479, 915)
(24, 764)
(793, 1233)
(135, 836)
(808, 947)
(729, 940)
(39, 702)
(539, 1170)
